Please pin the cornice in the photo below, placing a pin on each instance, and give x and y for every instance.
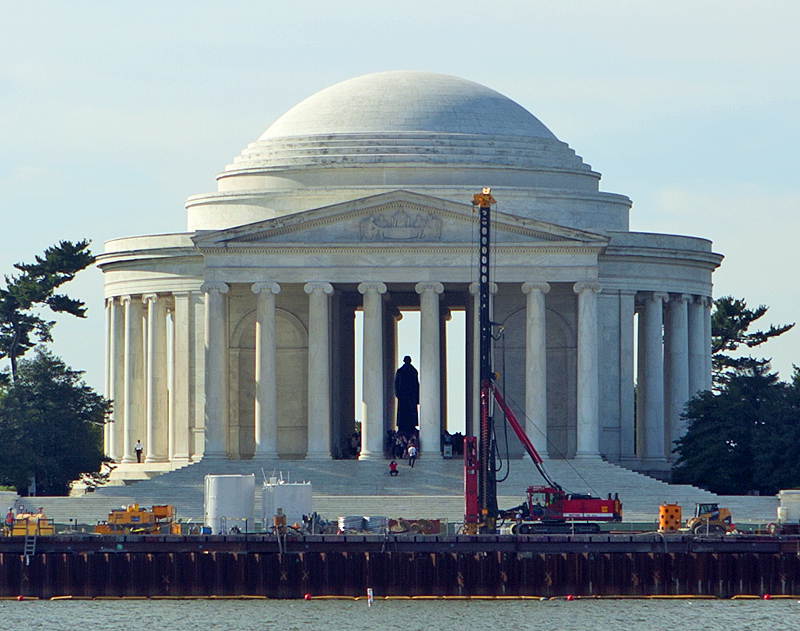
(372, 248)
(314, 165)
(434, 190)
(127, 256)
(666, 256)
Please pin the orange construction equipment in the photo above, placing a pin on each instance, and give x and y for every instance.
(669, 518)
(132, 519)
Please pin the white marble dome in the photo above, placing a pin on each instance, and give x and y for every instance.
(408, 102)
(405, 118)
(429, 133)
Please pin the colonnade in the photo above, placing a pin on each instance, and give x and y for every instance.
(151, 377)
(169, 376)
(674, 363)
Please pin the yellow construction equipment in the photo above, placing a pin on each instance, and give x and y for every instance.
(139, 521)
(710, 519)
(32, 524)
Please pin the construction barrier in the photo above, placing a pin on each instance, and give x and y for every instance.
(344, 574)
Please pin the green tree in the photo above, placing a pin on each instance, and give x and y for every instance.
(745, 435)
(744, 438)
(730, 331)
(51, 426)
(25, 294)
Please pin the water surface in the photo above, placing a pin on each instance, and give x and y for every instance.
(405, 615)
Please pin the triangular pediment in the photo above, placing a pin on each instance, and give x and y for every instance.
(397, 217)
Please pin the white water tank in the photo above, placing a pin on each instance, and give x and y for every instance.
(790, 500)
(230, 503)
(294, 498)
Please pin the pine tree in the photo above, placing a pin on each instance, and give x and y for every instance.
(730, 330)
(26, 294)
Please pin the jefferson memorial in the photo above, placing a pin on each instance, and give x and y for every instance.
(236, 339)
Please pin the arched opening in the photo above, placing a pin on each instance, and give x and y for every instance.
(292, 378)
(510, 364)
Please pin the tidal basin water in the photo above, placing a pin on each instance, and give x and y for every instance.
(405, 615)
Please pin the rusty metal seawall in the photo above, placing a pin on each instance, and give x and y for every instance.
(543, 566)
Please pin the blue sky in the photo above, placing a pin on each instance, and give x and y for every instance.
(112, 114)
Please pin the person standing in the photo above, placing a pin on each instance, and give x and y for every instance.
(399, 446)
(406, 389)
(138, 447)
(412, 455)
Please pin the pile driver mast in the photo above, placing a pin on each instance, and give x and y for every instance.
(560, 509)
(487, 481)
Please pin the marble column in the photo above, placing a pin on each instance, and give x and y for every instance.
(372, 421)
(319, 365)
(676, 359)
(707, 302)
(697, 347)
(641, 344)
(627, 411)
(216, 373)
(444, 396)
(197, 385)
(106, 371)
(652, 390)
(132, 426)
(266, 404)
(112, 368)
(118, 374)
(181, 377)
(125, 413)
(430, 386)
(392, 317)
(536, 365)
(156, 379)
(170, 325)
(588, 384)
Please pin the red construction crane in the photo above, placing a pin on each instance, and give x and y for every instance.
(548, 508)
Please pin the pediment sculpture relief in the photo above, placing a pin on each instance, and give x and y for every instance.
(400, 225)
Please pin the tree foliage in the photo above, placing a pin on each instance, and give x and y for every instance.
(745, 435)
(730, 331)
(25, 294)
(746, 438)
(51, 426)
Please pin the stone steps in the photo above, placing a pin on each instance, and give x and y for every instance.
(432, 489)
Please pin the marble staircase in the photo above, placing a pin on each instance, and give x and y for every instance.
(432, 489)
